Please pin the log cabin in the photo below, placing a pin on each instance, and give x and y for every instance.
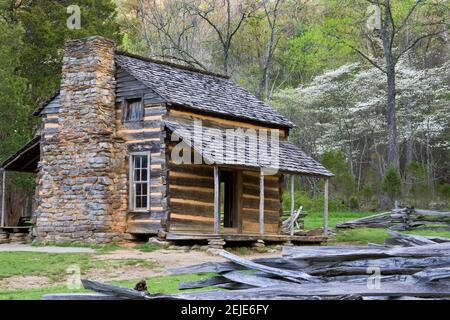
(132, 146)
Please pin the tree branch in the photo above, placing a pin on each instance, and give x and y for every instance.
(413, 43)
(362, 54)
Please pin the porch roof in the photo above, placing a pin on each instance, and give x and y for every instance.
(291, 159)
(25, 159)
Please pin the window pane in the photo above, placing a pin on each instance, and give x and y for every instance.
(138, 202)
(144, 201)
(144, 162)
(133, 110)
(144, 175)
(137, 176)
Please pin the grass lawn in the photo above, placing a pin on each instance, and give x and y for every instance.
(359, 236)
(314, 220)
(162, 284)
(53, 266)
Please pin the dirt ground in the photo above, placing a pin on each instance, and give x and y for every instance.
(173, 258)
(24, 282)
(160, 259)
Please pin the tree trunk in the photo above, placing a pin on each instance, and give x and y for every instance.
(392, 150)
(392, 156)
(410, 138)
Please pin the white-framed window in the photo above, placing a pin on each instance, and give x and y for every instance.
(140, 181)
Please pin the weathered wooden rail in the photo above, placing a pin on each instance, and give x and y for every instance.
(416, 267)
(403, 219)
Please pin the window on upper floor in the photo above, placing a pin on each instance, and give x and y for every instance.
(132, 110)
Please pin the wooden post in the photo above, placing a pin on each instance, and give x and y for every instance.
(261, 202)
(3, 172)
(216, 200)
(292, 204)
(325, 208)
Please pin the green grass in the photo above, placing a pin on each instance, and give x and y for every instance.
(148, 247)
(243, 251)
(162, 284)
(314, 220)
(101, 248)
(359, 236)
(54, 265)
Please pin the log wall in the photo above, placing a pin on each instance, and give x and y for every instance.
(191, 198)
(250, 203)
(147, 135)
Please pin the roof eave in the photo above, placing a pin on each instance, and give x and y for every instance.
(41, 106)
(288, 125)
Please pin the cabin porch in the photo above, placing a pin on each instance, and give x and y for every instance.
(238, 198)
(240, 237)
(240, 204)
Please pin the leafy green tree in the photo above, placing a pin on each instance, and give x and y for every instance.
(14, 111)
(32, 37)
(444, 192)
(46, 31)
(343, 183)
(391, 184)
(417, 186)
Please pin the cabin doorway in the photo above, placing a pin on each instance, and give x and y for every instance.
(228, 199)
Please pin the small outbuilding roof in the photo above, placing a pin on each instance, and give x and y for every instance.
(287, 158)
(25, 159)
(199, 90)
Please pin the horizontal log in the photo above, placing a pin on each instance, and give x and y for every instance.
(335, 289)
(207, 197)
(109, 289)
(203, 283)
(352, 253)
(189, 181)
(255, 279)
(195, 210)
(269, 206)
(205, 171)
(191, 226)
(294, 276)
(81, 296)
(254, 190)
(180, 218)
(432, 213)
(253, 227)
(142, 227)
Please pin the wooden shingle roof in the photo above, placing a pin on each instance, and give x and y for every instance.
(290, 158)
(202, 91)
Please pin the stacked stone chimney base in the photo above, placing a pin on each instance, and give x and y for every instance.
(82, 180)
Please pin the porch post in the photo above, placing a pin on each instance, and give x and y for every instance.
(216, 200)
(325, 208)
(292, 204)
(3, 173)
(261, 202)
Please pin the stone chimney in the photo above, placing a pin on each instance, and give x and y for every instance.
(78, 169)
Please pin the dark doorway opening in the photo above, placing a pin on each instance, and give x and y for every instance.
(228, 199)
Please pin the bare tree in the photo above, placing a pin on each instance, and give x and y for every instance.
(225, 17)
(174, 29)
(271, 11)
(390, 31)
